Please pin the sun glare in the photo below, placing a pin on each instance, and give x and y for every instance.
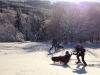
(76, 1)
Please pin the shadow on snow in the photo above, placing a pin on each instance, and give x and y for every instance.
(36, 47)
(62, 65)
(79, 70)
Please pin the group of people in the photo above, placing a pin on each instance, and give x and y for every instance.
(79, 52)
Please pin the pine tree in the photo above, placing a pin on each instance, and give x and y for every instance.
(38, 27)
(18, 23)
(1, 8)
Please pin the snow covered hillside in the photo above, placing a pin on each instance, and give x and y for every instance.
(31, 58)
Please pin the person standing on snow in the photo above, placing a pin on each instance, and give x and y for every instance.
(80, 51)
(54, 44)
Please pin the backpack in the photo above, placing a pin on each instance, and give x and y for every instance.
(81, 48)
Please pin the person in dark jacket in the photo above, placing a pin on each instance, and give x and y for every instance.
(67, 57)
(80, 51)
(54, 44)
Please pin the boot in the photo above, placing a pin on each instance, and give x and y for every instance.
(85, 64)
(77, 62)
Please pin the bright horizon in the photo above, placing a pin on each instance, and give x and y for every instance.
(75, 0)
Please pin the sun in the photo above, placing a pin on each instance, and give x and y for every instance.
(76, 1)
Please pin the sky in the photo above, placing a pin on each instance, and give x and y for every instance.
(75, 0)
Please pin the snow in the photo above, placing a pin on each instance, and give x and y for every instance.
(31, 58)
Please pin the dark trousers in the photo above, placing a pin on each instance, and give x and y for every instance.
(82, 57)
(53, 45)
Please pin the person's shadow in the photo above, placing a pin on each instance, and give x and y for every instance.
(80, 70)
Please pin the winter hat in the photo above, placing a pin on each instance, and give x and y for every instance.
(67, 52)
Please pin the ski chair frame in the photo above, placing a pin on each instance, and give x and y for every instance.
(61, 59)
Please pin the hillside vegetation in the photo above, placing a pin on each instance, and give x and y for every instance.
(67, 22)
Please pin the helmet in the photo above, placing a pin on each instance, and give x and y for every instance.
(75, 46)
(67, 52)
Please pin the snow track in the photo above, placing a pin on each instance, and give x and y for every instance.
(30, 58)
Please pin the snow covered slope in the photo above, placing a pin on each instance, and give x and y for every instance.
(31, 58)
